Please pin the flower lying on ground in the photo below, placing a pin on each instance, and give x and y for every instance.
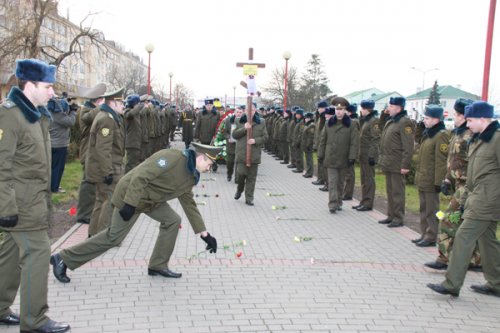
(278, 207)
(208, 179)
(278, 218)
(269, 194)
(440, 215)
(201, 203)
(224, 248)
(72, 211)
(300, 239)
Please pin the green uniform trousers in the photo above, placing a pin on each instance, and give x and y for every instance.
(133, 158)
(299, 159)
(335, 177)
(246, 179)
(367, 172)
(321, 173)
(24, 263)
(91, 248)
(286, 151)
(309, 163)
(396, 196)
(429, 206)
(101, 215)
(230, 164)
(86, 199)
(470, 232)
(350, 178)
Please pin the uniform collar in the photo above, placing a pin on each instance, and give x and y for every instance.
(431, 132)
(30, 112)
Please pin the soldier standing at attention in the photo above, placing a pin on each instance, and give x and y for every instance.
(172, 121)
(229, 127)
(24, 194)
(369, 139)
(338, 149)
(481, 211)
(144, 116)
(105, 157)
(289, 139)
(86, 192)
(246, 176)
(456, 177)
(133, 131)
(187, 118)
(320, 124)
(166, 175)
(307, 143)
(396, 150)
(282, 136)
(296, 140)
(206, 123)
(350, 176)
(431, 170)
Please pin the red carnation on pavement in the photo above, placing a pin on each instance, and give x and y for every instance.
(180, 226)
(239, 254)
(72, 211)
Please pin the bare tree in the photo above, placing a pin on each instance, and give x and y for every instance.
(130, 77)
(276, 89)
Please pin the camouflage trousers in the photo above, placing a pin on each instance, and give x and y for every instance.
(448, 227)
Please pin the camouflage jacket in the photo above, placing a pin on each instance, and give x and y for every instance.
(457, 155)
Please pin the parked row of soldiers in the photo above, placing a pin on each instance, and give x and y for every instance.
(111, 131)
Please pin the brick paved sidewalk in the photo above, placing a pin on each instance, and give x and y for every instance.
(354, 275)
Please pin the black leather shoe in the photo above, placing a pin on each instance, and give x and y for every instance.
(307, 176)
(339, 208)
(229, 178)
(436, 265)
(345, 198)
(248, 202)
(364, 209)
(356, 206)
(59, 268)
(442, 290)
(165, 273)
(10, 319)
(416, 240)
(298, 171)
(50, 327)
(385, 221)
(475, 268)
(291, 166)
(324, 188)
(83, 221)
(237, 195)
(317, 182)
(395, 224)
(284, 162)
(484, 289)
(425, 243)
(333, 210)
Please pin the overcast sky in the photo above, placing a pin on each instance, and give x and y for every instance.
(362, 43)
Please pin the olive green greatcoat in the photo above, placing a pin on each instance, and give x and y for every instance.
(25, 157)
(187, 119)
(338, 143)
(85, 119)
(369, 138)
(206, 125)
(396, 144)
(259, 133)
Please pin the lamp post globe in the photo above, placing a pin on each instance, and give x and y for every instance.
(149, 48)
(170, 94)
(287, 55)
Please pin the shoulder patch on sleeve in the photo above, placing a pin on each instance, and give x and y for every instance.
(105, 131)
(443, 147)
(162, 162)
(408, 130)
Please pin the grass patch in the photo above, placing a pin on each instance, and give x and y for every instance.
(70, 182)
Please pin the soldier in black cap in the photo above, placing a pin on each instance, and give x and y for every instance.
(319, 125)
(307, 143)
(350, 175)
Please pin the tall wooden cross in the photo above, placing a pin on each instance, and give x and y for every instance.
(250, 69)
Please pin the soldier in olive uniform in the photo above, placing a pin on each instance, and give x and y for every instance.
(289, 139)
(431, 170)
(282, 136)
(133, 131)
(168, 174)
(296, 140)
(144, 116)
(24, 198)
(187, 118)
(338, 149)
(247, 174)
(369, 139)
(206, 123)
(350, 175)
(320, 124)
(105, 157)
(172, 121)
(456, 177)
(396, 151)
(276, 134)
(481, 211)
(229, 127)
(307, 142)
(86, 192)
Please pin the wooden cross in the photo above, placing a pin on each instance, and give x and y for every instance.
(251, 67)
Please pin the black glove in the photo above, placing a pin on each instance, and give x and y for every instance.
(9, 221)
(108, 180)
(351, 162)
(371, 161)
(73, 107)
(437, 188)
(211, 243)
(461, 208)
(446, 188)
(127, 212)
